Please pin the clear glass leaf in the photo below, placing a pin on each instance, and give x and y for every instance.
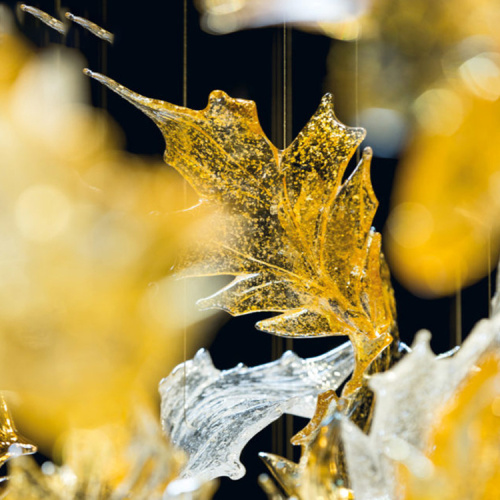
(212, 414)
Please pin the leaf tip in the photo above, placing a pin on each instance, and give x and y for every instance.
(218, 95)
(327, 100)
(367, 153)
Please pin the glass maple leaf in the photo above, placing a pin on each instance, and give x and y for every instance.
(297, 239)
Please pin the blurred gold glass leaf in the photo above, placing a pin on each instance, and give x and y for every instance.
(431, 68)
(407, 47)
(112, 462)
(297, 239)
(88, 235)
(411, 62)
(444, 228)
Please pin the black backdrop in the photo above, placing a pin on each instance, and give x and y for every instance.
(147, 56)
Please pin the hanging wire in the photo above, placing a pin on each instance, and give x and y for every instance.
(287, 130)
(184, 193)
(356, 92)
(458, 312)
(488, 249)
(104, 57)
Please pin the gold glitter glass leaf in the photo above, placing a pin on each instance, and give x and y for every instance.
(295, 236)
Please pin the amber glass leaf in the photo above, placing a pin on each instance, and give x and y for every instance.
(444, 228)
(295, 236)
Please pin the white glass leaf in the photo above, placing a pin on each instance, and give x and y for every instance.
(408, 399)
(223, 16)
(223, 410)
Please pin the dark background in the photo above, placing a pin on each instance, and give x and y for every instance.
(147, 56)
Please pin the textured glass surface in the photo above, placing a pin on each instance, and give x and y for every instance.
(297, 238)
(223, 16)
(212, 414)
(409, 398)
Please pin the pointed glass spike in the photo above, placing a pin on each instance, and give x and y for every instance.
(47, 19)
(270, 488)
(12, 444)
(92, 27)
(284, 471)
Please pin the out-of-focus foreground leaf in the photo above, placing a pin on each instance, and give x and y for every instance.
(115, 462)
(336, 18)
(87, 320)
(444, 228)
(426, 75)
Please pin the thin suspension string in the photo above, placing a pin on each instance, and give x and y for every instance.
(356, 92)
(285, 86)
(59, 14)
(458, 312)
(280, 112)
(287, 98)
(184, 194)
(488, 249)
(184, 52)
(104, 56)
